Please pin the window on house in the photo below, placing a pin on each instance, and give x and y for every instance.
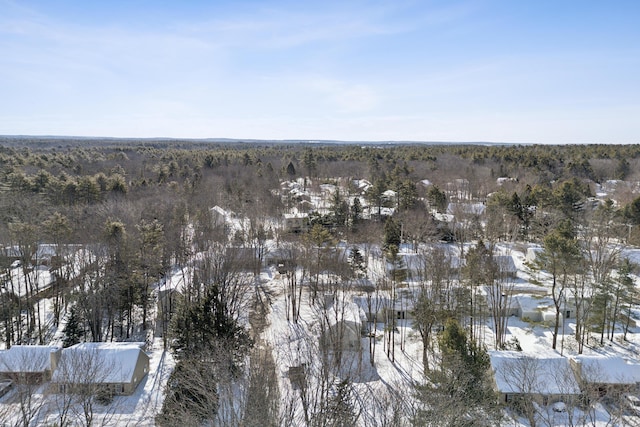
(118, 389)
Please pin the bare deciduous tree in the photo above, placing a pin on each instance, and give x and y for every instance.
(28, 368)
(81, 383)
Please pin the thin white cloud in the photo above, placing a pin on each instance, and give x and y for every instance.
(341, 96)
(282, 28)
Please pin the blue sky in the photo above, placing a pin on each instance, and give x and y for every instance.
(479, 70)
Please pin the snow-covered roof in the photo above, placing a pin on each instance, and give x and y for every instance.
(412, 261)
(348, 312)
(12, 251)
(328, 188)
(466, 208)
(218, 210)
(522, 373)
(444, 217)
(361, 183)
(27, 358)
(632, 254)
(298, 215)
(380, 302)
(504, 179)
(115, 362)
(610, 369)
(529, 303)
(46, 251)
(176, 280)
(375, 302)
(505, 263)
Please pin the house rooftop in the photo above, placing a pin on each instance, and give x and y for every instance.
(27, 358)
(523, 373)
(116, 361)
(600, 369)
(505, 263)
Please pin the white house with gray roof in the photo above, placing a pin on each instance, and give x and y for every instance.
(116, 367)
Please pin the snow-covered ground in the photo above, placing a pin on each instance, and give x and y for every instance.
(297, 344)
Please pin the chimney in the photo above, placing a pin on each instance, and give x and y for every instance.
(54, 357)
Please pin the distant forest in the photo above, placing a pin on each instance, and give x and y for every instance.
(90, 181)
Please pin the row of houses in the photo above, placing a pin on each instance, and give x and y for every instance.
(526, 307)
(553, 378)
(114, 367)
(414, 264)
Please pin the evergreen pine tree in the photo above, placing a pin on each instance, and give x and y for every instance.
(392, 233)
(291, 170)
(73, 331)
(356, 211)
(357, 262)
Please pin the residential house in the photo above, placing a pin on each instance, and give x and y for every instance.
(218, 216)
(378, 213)
(466, 209)
(372, 305)
(29, 364)
(606, 375)
(169, 291)
(547, 378)
(296, 222)
(117, 368)
(11, 253)
(360, 186)
(542, 309)
(377, 308)
(45, 255)
(343, 327)
(506, 266)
